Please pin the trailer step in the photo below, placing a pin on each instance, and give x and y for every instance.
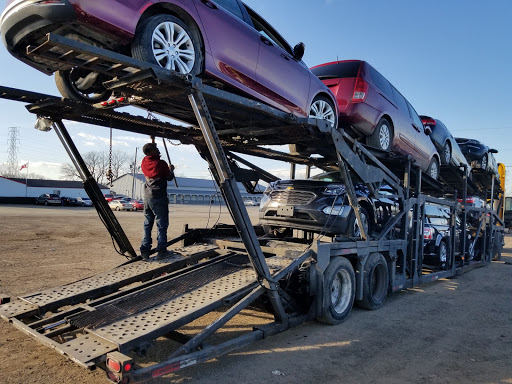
(104, 283)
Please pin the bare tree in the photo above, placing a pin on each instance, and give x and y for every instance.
(98, 164)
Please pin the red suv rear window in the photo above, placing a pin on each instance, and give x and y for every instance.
(337, 70)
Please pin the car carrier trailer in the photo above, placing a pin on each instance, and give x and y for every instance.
(109, 319)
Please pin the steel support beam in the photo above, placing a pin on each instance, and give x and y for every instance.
(93, 191)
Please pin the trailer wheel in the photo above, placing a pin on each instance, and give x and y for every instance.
(376, 281)
(338, 291)
(82, 85)
(167, 41)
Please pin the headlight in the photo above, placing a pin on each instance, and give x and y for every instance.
(335, 210)
(334, 190)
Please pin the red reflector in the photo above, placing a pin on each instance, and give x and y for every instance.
(104, 103)
(114, 365)
(430, 122)
(121, 99)
(470, 200)
(360, 90)
(127, 367)
(111, 102)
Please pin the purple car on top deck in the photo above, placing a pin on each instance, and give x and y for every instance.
(217, 39)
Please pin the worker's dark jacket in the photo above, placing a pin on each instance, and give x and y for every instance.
(157, 174)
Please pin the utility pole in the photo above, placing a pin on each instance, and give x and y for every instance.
(134, 171)
(12, 159)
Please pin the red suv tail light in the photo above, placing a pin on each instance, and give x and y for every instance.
(429, 122)
(360, 90)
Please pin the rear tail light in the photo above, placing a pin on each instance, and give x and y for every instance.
(428, 233)
(360, 90)
(430, 122)
(470, 200)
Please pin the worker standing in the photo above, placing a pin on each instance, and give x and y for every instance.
(156, 202)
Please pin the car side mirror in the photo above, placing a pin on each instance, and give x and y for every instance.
(298, 51)
(428, 130)
(493, 150)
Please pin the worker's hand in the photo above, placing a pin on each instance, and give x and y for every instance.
(171, 167)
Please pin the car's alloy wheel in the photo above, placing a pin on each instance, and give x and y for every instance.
(364, 220)
(447, 154)
(82, 85)
(483, 162)
(382, 136)
(433, 169)
(168, 42)
(322, 108)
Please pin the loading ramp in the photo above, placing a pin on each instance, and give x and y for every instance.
(117, 314)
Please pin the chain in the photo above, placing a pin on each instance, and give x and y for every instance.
(110, 174)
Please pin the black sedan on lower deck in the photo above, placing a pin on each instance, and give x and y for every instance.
(320, 205)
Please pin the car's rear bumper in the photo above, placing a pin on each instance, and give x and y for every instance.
(360, 116)
(25, 18)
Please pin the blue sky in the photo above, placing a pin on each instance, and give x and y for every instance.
(450, 58)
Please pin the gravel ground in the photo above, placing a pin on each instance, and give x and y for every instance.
(449, 331)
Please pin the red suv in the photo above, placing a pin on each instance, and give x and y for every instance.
(370, 107)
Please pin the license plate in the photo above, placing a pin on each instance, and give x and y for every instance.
(285, 211)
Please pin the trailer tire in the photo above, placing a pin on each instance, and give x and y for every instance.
(67, 83)
(186, 58)
(375, 283)
(338, 291)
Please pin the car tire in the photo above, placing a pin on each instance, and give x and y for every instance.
(484, 162)
(46, 203)
(68, 84)
(147, 45)
(352, 228)
(323, 108)
(382, 136)
(443, 253)
(446, 155)
(83, 204)
(135, 209)
(118, 209)
(433, 169)
(339, 290)
(375, 283)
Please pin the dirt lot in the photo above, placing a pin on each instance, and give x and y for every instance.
(449, 331)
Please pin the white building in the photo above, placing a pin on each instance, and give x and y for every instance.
(16, 188)
(189, 191)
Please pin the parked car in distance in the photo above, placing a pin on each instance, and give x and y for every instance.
(48, 199)
(445, 143)
(250, 203)
(109, 197)
(84, 201)
(221, 40)
(137, 205)
(372, 109)
(120, 205)
(478, 154)
(70, 201)
(320, 205)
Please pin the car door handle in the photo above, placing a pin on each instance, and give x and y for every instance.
(209, 4)
(285, 57)
(415, 127)
(266, 41)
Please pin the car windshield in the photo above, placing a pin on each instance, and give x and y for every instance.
(329, 177)
(337, 70)
(53, 195)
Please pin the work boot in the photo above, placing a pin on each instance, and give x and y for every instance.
(162, 254)
(144, 255)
